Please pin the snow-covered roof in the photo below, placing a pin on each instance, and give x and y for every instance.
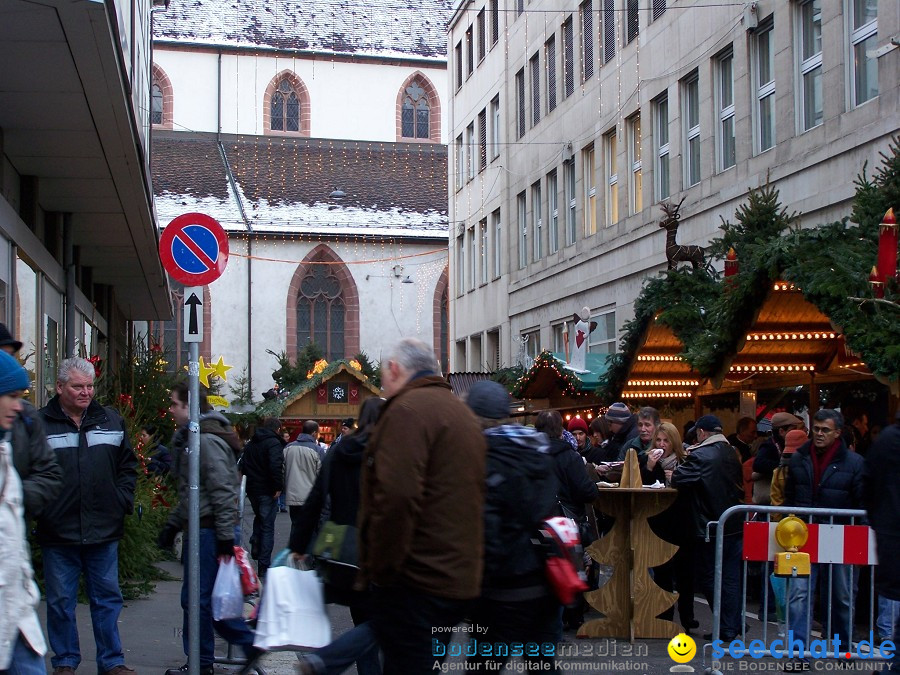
(385, 28)
(284, 185)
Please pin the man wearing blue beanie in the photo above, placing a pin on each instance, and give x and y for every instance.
(22, 644)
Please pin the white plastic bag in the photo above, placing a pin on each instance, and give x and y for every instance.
(292, 615)
(227, 597)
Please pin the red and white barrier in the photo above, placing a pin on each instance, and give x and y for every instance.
(840, 544)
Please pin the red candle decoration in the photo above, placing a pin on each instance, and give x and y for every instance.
(877, 283)
(731, 263)
(887, 247)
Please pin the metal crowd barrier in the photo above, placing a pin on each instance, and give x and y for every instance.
(838, 544)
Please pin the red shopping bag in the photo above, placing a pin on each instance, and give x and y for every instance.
(249, 580)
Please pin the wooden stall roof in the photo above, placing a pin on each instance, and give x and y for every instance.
(658, 371)
(549, 379)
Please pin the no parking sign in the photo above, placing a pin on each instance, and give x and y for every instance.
(194, 249)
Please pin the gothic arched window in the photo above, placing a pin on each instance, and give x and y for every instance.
(156, 107)
(416, 112)
(285, 108)
(320, 311)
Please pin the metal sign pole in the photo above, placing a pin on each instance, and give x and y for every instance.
(194, 511)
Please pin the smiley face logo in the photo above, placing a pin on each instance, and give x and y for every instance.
(682, 648)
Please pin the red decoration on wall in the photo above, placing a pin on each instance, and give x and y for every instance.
(322, 394)
(354, 394)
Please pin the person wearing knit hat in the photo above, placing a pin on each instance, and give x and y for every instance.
(623, 428)
(579, 429)
(22, 647)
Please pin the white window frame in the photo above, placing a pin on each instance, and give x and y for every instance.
(460, 163)
(807, 66)
(537, 222)
(690, 90)
(858, 35)
(534, 75)
(764, 91)
(533, 344)
(498, 234)
(611, 164)
(589, 165)
(473, 263)
(495, 128)
(553, 211)
(558, 337)
(569, 178)
(483, 252)
(460, 265)
(607, 342)
(661, 149)
(472, 150)
(522, 223)
(635, 173)
(724, 73)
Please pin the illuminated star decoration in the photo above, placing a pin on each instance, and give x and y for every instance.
(205, 372)
(220, 369)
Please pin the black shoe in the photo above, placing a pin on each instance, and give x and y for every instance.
(252, 659)
(204, 670)
(691, 623)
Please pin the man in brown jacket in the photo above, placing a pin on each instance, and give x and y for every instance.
(421, 521)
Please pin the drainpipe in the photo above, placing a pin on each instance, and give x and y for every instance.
(240, 205)
(69, 267)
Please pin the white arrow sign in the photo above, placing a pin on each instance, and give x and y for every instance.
(193, 314)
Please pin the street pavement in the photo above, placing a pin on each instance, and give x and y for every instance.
(150, 629)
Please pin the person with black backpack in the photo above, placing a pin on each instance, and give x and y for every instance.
(516, 604)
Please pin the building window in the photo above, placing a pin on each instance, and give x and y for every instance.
(470, 51)
(532, 343)
(470, 153)
(603, 338)
(460, 265)
(286, 106)
(495, 218)
(632, 21)
(522, 223)
(482, 38)
(661, 147)
(810, 61)
(482, 141)
(590, 192)
(535, 66)
(659, 8)
(460, 162)
(764, 84)
(587, 40)
(520, 103)
(568, 58)
(725, 108)
(416, 112)
(458, 58)
(550, 55)
(558, 335)
(569, 180)
(320, 311)
(690, 96)
(473, 259)
(537, 223)
(863, 38)
(495, 21)
(160, 99)
(610, 144)
(483, 252)
(492, 349)
(495, 127)
(444, 319)
(609, 30)
(636, 186)
(553, 212)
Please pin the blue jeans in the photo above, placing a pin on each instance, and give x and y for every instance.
(63, 567)
(265, 510)
(234, 631)
(799, 602)
(731, 620)
(25, 661)
(357, 644)
(888, 615)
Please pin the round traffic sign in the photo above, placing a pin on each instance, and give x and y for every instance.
(194, 249)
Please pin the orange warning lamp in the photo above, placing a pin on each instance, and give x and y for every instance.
(791, 533)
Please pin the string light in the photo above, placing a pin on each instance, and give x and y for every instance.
(784, 286)
(772, 368)
(663, 383)
(659, 357)
(792, 336)
(657, 394)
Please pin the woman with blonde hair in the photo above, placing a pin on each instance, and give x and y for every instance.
(668, 440)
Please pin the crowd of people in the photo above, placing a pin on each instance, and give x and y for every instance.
(443, 498)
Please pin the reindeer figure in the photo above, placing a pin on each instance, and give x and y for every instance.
(675, 252)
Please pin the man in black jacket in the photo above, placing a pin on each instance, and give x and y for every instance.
(80, 531)
(263, 465)
(35, 462)
(710, 478)
(824, 473)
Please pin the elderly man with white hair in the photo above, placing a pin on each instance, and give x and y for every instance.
(421, 520)
(79, 533)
